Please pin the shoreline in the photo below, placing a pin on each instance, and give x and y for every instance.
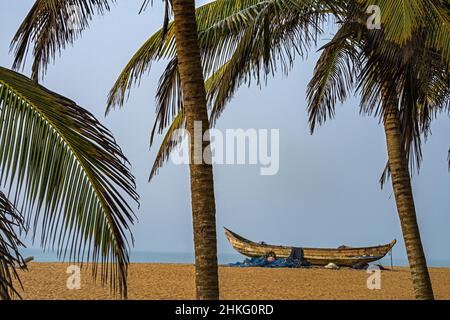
(166, 281)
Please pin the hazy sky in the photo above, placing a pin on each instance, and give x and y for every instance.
(326, 192)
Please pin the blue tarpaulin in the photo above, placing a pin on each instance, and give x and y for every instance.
(278, 263)
(295, 260)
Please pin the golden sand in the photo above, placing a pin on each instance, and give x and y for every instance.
(165, 281)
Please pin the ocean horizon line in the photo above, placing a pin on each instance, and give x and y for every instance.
(173, 257)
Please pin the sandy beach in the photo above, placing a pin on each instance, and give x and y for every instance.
(166, 281)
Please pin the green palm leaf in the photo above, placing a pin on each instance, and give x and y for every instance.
(52, 25)
(439, 31)
(169, 100)
(153, 49)
(11, 221)
(400, 18)
(334, 75)
(171, 140)
(68, 173)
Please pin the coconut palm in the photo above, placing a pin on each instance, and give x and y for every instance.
(403, 80)
(239, 44)
(202, 183)
(47, 27)
(66, 172)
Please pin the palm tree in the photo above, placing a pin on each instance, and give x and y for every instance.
(357, 58)
(46, 27)
(202, 183)
(402, 75)
(65, 170)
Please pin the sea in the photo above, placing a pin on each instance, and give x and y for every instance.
(188, 258)
(139, 257)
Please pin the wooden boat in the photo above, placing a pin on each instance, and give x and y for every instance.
(343, 256)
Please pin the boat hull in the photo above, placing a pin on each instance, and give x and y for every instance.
(315, 256)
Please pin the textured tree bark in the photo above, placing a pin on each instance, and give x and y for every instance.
(401, 182)
(202, 184)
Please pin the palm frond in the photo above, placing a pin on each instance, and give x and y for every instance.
(334, 76)
(11, 222)
(171, 140)
(439, 30)
(169, 100)
(400, 18)
(69, 174)
(49, 27)
(155, 48)
(145, 5)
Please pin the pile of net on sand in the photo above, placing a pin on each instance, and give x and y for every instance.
(263, 262)
(295, 260)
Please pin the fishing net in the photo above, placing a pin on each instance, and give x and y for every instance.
(295, 260)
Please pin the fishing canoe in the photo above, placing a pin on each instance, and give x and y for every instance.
(344, 256)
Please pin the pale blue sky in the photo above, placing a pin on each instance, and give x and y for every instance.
(326, 192)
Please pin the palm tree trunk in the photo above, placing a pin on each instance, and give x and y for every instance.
(202, 183)
(401, 182)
